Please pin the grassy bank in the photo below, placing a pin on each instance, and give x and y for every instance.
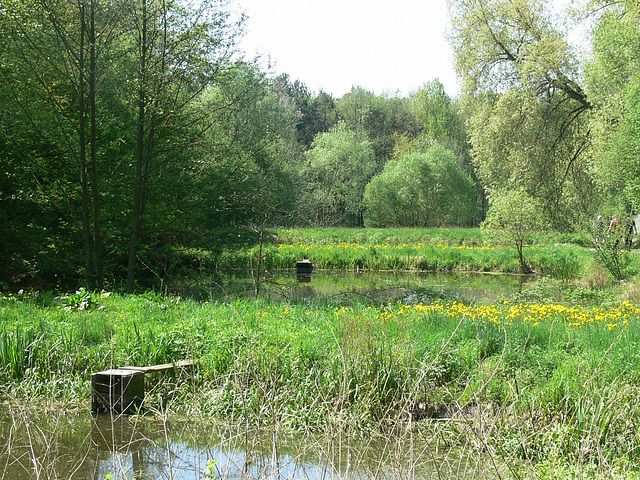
(562, 257)
(551, 384)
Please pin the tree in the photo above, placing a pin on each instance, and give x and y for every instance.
(440, 120)
(434, 110)
(314, 114)
(513, 217)
(529, 126)
(251, 154)
(113, 95)
(378, 117)
(613, 84)
(179, 53)
(420, 190)
(52, 52)
(339, 166)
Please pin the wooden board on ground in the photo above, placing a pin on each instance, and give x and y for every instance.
(161, 367)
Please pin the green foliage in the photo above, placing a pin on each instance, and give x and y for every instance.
(210, 469)
(434, 110)
(340, 164)
(377, 116)
(83, 300)
(211, 145)
(420, 190)
(529, 114)
(612, 80)
(611, 256)
(512, 219)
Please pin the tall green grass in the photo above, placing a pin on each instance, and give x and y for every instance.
(19, 351)
(405, 249)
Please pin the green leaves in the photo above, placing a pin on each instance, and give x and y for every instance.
(340, 165)
(419, 190)
(529, 126)
(513, 217)
(614, 85)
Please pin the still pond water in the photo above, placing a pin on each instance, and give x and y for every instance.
(81, 445)
(375, 287)
(99, 447)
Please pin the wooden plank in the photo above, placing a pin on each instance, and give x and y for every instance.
(161, 367)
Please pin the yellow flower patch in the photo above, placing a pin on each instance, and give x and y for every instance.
(531, 314)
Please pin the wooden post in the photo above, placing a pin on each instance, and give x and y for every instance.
(303, 270)
(117, 390)
(121, 390)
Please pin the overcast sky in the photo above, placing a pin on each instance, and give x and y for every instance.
(383, 46)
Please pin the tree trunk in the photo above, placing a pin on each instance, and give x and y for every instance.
(524, 268)
(138, 194)
(84, 188)
(97, 230)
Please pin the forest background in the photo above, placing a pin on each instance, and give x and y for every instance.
(133, 131)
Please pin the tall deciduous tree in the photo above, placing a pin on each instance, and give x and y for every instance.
(435, 112)
(339, 166)
(313, 113)
(179, 53)
(529, 128)
(52, 48)
(440, 120)
(112, 94)
(378, 117)
(613, 84)
(251, 153)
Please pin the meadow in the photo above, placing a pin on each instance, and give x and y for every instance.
(434, 249)
(550, 386)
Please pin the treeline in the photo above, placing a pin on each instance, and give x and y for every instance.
(132, 129)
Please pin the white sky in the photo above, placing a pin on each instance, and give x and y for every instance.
(385, 46)
(331, 45)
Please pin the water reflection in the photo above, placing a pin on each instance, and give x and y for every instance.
(375, 286)
(84, 446)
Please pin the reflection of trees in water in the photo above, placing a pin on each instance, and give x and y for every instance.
(82, 446)
(375, 286)
(121, 441)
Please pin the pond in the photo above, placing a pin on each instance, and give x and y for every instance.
(85, 446)
(376, 287)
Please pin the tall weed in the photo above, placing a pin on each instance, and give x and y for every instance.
(20, 350)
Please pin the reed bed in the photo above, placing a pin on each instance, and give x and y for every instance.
(552, 386)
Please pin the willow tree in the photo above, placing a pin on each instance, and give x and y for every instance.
(337, 170)
(421, 189)
(529, 127)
